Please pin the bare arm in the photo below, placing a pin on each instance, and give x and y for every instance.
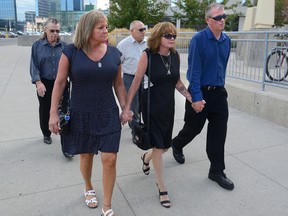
(120, 88)
(183, 90)
(140, 72)
(57, 92)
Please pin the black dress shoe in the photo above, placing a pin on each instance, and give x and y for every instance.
(178, 155)
(47, 140)
(222, 180)
(67, 155)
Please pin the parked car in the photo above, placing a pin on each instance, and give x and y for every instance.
(12, 35)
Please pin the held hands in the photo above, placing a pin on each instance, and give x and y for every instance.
(126, 116)
(41, 89)
(198, 106)
(54, 124)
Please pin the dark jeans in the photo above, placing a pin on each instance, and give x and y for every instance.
(128, 79)
(216, 112)
(44, 107)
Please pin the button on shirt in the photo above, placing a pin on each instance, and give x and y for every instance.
(44, 60)
(131, 51)
(207, 61)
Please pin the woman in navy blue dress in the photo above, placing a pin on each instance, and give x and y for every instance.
(95, 124)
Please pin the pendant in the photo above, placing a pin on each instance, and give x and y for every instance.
(99, 64)
(169, 72)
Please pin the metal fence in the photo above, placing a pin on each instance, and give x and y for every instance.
(248, 58)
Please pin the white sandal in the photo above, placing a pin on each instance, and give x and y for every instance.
(109, 212)
(92, 200)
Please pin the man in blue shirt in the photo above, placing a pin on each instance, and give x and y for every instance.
(208, 56)
(45, 55)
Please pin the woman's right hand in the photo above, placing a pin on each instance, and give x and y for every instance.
(54, 124)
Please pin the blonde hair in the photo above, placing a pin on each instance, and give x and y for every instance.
(157, 32)
(85, 28)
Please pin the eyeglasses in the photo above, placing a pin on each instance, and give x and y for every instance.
(54, 30)
(169, 36)
(142, 29)
(219, 17)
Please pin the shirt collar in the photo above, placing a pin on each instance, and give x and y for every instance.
(45, 42)
(134, 41)
(211, 35)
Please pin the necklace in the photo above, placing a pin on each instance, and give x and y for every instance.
(167, 63)
(99, 64)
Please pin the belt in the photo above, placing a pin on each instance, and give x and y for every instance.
(128, 74)
(209, 88)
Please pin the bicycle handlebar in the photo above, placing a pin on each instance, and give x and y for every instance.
(281, 35)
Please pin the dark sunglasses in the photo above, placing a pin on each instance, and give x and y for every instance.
(53, 31)
(169, 36)
(142, 29)
(220, 17)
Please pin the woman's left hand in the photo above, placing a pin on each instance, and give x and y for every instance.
(126, 116)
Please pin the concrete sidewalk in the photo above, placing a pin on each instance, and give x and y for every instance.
(37, 180)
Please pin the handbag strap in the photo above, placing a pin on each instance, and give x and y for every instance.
(148, 97)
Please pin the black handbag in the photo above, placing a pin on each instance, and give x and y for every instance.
(142, 131)
(64, 103)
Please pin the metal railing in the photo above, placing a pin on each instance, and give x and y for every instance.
(248, 56)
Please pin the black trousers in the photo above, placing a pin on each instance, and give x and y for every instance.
(216, 112)
(44, 107)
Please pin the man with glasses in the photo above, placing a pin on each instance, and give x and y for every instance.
(45, 55)
(131, 48)
(207, 60)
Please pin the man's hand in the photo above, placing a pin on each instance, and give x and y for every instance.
(41, 89)
(198, 106)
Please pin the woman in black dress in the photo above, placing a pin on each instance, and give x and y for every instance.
(94, 115)
(165, 77)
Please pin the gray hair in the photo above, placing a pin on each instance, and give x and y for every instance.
(133, 23)
(218, 6)
(49, 20)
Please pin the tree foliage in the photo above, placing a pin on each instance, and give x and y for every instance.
(192, 13)
(123, 12)
(281, 13)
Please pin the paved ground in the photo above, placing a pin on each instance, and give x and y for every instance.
(37, 180)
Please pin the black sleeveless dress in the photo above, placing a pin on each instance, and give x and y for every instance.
(94, 119)
(162, 101)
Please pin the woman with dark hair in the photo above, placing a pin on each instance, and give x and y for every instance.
(94, 114)
(164, 78)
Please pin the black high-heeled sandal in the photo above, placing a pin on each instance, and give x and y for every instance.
(147, 170)
(163, 202)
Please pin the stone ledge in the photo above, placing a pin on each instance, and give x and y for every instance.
(264, 104)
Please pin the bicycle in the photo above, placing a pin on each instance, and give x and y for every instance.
(277, 60)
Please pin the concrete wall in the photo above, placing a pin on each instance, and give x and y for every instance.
(264, 104)
(28, 40)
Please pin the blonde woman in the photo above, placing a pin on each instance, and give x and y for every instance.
(95, 124)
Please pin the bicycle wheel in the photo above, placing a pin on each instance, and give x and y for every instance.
(277, 65)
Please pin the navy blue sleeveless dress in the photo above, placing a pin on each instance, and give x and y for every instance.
(94, 119)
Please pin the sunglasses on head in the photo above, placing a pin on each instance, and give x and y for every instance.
(53, 31)
(219, 17)
(169, 36)
(142, 29)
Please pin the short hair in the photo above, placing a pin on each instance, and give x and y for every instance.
(49, 20)
(157, 32)
(85, 28)
(218, 6)
(133, 23)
